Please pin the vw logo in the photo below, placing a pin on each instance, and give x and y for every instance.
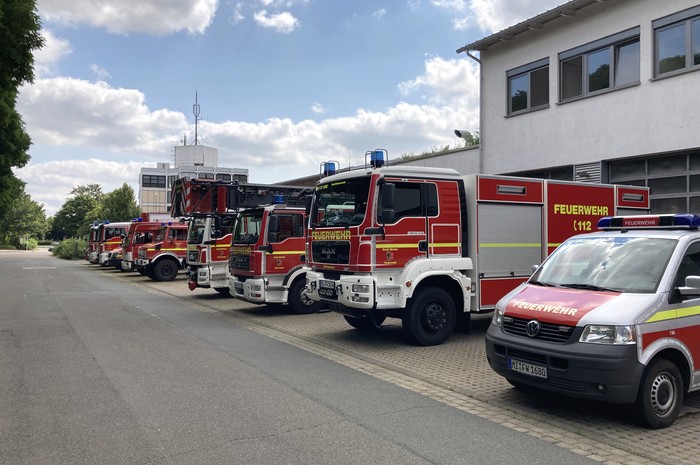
(532, 329)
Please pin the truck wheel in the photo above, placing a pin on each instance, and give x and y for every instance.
(223, 291)
(430, 317)
(298, 301)
(660, 394)
(165, 269)
(364, 323)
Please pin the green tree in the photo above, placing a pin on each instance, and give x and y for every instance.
(25, 219)
(76, 214)
(120, 204)
(19, 36)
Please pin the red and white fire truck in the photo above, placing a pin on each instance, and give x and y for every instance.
(205, 204)
(141, 231)
(109, 238)
(430, 246)
(612, 315)
(91, 254)
(268, 254)
(161, 259)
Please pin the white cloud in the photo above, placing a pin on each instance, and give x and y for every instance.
(50, 183)
(493, 15)
(99, 72)
(158, 17)
(73, 112)
(447, 82)
(47, 58)
(283, 22)
(379, 13)
(318, 108)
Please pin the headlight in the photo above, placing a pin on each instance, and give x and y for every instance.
(497, 319)
(360, 288)
(604, 334)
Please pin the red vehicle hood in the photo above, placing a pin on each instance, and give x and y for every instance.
(555, 305)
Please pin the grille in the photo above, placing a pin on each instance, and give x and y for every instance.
(337, 252)
(548, 332)
(240, 262)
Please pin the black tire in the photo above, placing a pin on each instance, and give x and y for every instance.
(223, 291)
(660, 395)
(141, 271)
(430, 317)
(364, 323)
(298, 301)
(165, 269)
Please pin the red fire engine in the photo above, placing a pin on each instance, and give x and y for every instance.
(162, 258)
(141, 231)
(429, 246)
(109, 236)
(267, 257)
(91, 250)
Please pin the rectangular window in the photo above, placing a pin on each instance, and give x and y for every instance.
(223, 177)
(677, 42)
(151, 180)
(602, 65)
(528, 86)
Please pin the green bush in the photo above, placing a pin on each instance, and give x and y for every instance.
(70, 249)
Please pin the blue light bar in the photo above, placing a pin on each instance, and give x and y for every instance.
(678, 221)
(278, 199)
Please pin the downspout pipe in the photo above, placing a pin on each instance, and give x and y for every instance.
(481, 102)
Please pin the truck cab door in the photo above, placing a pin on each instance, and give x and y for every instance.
(285, 237)
(405, 235)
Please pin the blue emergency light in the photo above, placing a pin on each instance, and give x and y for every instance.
(678, 221)
(329, 168)
(376, 158)
(278, 199)
(106, 221)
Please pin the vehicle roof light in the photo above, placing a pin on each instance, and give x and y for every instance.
(377, 157)
(278, 199)
(678, 221)
(329, 168)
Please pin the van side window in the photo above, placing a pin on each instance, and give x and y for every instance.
(690, 265)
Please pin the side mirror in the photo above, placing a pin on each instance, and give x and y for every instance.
(388, 195)
(692, 286)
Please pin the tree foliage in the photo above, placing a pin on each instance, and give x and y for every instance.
(88, 204)
(19, 36)
(25, 219)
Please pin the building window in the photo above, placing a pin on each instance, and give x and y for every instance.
(152, 180)
(605, 64)
(677, 42)
(528, 87)
(223, 177)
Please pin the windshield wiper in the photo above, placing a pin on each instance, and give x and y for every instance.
(542, 283)
(588, 287)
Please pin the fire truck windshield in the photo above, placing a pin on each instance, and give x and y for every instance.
(248, 227)
(195, 233)
(620, 264)
(340, 203)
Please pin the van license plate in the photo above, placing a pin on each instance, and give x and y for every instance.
(529, 369)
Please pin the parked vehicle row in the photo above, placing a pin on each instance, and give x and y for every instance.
(608, 315)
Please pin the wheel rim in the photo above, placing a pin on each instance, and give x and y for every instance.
(305, 299)
(663, 394)
(434, 317)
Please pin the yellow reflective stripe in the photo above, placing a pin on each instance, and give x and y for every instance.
(553, 244)
(415, 245)
(288, 252)
(690, 311)
(505, 245)
(662, 316)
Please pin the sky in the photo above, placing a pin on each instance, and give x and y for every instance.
(282, 85)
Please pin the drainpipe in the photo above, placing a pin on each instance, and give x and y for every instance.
(481, 105)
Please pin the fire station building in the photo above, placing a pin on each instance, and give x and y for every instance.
(597, 91)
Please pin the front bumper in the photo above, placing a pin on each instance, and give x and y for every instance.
(250, 290)
(213, 276)
(352, 291)
(142, 262)
(589, 371)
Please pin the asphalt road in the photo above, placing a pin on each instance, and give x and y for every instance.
(99, 371)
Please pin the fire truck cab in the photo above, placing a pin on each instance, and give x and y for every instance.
(612, 316)
(162, 259)
(267, 258)
(140, 232)
(110, 237)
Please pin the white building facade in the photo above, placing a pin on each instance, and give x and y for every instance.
(193, 161)
(598, 91)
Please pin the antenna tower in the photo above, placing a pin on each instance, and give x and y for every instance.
(195, 110)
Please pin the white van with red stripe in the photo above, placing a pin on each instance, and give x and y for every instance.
(611, 316)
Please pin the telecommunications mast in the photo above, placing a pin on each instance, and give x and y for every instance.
(195, 110)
